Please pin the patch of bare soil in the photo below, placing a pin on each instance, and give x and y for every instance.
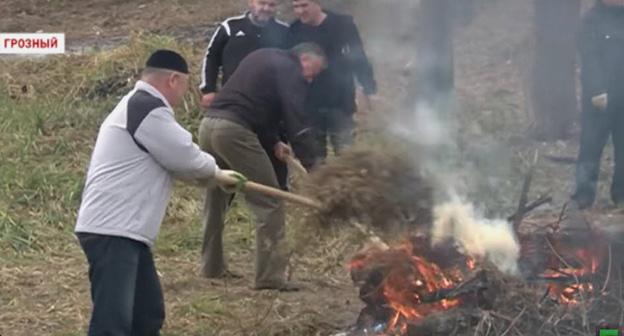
(52, 298)
(96, 20)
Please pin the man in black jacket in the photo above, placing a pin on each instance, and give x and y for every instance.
(602, 79)
(234, 39)
(268, 89)
(331, 101)
(237, 37)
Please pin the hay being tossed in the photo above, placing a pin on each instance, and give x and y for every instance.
(384, 189)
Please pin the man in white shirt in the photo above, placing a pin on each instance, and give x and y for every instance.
(139, 149)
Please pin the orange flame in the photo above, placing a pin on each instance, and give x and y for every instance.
(405, 284)
(410, 280)
(570, 294)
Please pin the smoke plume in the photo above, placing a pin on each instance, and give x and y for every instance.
(475, 236)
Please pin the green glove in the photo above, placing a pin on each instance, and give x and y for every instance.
(240, 181)
(237, 186)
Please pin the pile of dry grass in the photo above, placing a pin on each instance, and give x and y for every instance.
(384, 189)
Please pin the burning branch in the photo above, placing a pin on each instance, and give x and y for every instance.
(583, 303)
(473, 285)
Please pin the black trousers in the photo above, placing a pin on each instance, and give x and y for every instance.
(597, 126)
(335, 125)
(125, 289)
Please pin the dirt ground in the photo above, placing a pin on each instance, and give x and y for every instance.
(49, 296)
(90, 19)
(52, 298)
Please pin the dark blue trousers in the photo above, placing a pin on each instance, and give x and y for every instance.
(597, 126)
(125, 289)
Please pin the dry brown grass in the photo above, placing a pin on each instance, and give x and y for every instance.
(50, 296)
(382, 188)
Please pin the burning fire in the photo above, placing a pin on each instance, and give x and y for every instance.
(568, 283)
(411, 284)
(404, 284)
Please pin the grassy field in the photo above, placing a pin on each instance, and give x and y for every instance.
(48, 127)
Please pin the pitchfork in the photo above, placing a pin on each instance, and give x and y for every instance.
(248, 186)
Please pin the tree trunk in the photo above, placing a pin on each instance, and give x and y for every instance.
(435, 68)
(553, 89)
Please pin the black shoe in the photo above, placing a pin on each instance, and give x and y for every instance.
(226, 275)
(284, 287)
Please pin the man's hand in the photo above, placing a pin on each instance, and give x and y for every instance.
(282, 151)
(600, 101)
(207, 99)
(230, 181)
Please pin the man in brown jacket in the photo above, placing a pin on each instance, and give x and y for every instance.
(267, 89)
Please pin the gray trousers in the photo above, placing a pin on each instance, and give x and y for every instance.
(238, 148)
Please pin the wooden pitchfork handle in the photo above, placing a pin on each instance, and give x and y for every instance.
(296, 165)
(270, 191)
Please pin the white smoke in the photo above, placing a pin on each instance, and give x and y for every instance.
(433, 131)
(475, 236)
(426, 128)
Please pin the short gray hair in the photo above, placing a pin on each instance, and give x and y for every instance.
(310, 48)
(147, 71)
(151, 73)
